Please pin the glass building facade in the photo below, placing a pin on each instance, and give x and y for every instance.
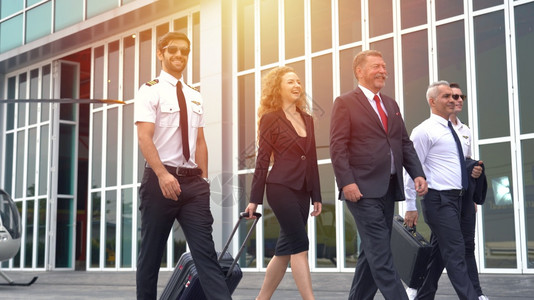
(74, 170)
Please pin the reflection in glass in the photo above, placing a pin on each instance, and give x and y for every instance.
(98, 75)
(246, 110)
(19, 166)
(8, 8)
(111, 146)
(95, 220)
(498, 210)
(350, 21)
(294, 28)
(413, 13)
(380, 17)
(35, 18)
(31, 161)
(41, 232)
(243, 183)
(127, 143)
(43, 160)
(67, 159)
(11, 32)
(347, 80)
(30, 223)
(491, 79)
(386, 47)
(34, 94)
(268, 31)
(70, 84)
(11, 94)
(110, 228)
(451, 58)
(527, 147)
(321, 25)
(524, 37)
(322, 102)
(245, 34)
(21, 107)
(67, 12)
(128, 74)
(96, 163)
(113, 70)
(126, 228)
(46, 82)
(145, 56)
(65, 233)
(415, 77)
(95, 7)
(325, 223)
(448, 8)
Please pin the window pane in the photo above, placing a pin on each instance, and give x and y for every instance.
(8, 8)
(68, 12)
(32, 2)
(30, 223)
(69, 89)
(294, 28)
(111, 146)
(380, 17)
(96, 172)
(21, 107)
(322, 101)
(245, 34)
(34, 94)
(8, 164)
(113, 70)
(127, 143)
(95, 220)
(268, 31)
(524, 23)
(65, 233)
(415, 77)
(38, 21)
(498, 211)
(451, 58)
(19, 166)
(247, 122)
(31, 158)
(95, 7)
(10, 114)
(243, 183)
(491, 80)
(352, 240)
(481, 4)
(346, 75)
(67, 159)
(527, 147)
(110, 232)
(126, 228)
(145, 56)
(41, 232)
(43, 160)
(350, 21)
(321, 25)
(413, 13)
(128, 88)
(449, 8)
(45, 93)
(98, 75)
(326, 222)
(386, 47)
(10, 33)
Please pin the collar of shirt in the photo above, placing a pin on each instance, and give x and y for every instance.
(459, 125)
(439, 119)
(370, 95)
(169, 78)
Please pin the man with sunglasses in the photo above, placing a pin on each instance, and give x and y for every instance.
(468, 211)
(170, 118)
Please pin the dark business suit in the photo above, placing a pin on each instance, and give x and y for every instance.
(292, 181)
(360, 152)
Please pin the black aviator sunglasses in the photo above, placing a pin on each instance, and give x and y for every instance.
(456, 96)
(173, 49)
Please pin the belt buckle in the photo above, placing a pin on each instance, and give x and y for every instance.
(178, 171)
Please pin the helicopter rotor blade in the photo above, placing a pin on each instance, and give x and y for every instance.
(63, 101)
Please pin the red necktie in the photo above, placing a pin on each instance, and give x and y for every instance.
(183, 120)
(383, 116)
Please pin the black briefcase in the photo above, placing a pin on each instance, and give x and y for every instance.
(411, 253)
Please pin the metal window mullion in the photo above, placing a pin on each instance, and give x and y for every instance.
(103, 190)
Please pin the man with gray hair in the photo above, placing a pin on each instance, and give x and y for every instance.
(440, 152)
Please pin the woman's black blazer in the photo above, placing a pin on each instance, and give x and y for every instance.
(293, 166)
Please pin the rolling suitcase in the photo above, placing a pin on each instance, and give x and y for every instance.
(184, 283)
(411, 253)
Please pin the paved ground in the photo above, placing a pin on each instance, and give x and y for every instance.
(121, 285)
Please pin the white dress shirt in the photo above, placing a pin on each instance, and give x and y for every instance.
(156, 102)
(370, 96)
(435, 146)
(464, 134)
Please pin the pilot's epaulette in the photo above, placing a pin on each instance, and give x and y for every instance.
(152, 82)
(194, 88)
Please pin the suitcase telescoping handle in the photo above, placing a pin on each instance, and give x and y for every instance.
(241, 217)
